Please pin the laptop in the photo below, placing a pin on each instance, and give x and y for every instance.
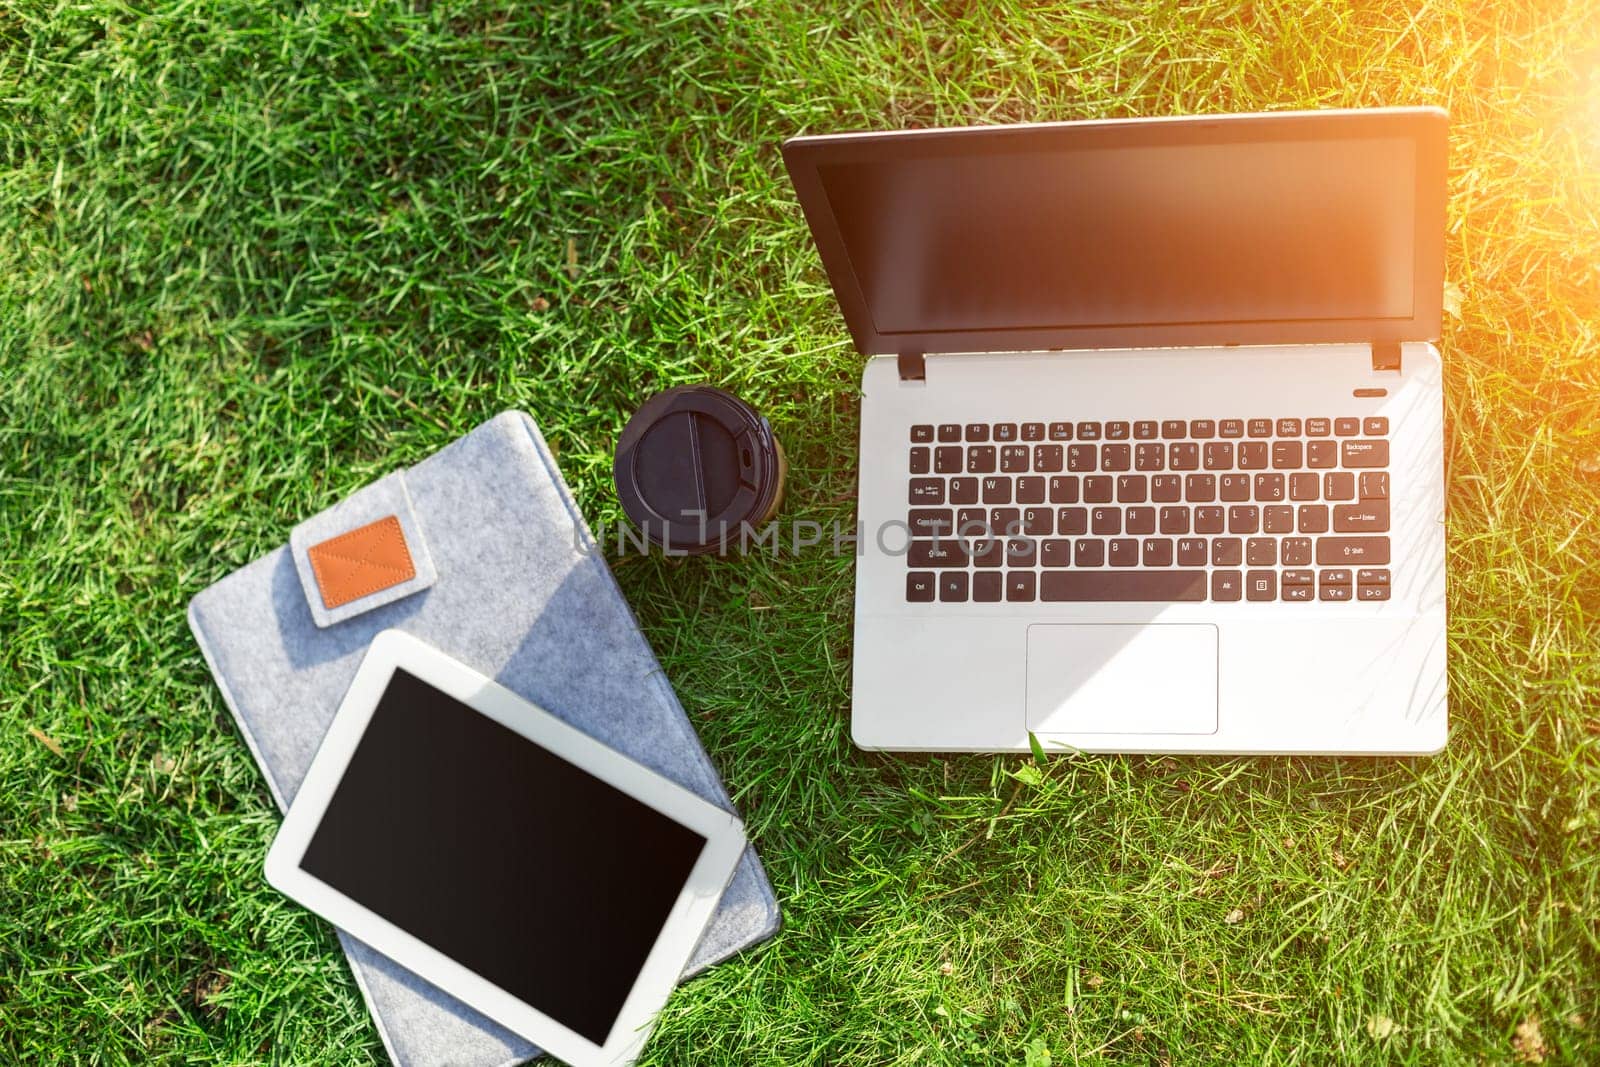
(1152, 431)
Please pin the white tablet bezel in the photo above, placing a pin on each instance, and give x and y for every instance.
(686, 921)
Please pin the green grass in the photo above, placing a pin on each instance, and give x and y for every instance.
(255, 255)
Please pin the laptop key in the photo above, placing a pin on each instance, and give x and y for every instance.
(1319, 427)
(1021, 552)
(1131, 488)
(1303, 486)
(1048, 458)
(1140, 520)
(1226, 551)
(1369, 516)
(1261, 551)
(949, 431)
(987, 587)
(1374, 485)
(1200, 488)
(1157, 552)
(953, 586)
(1088, 552)
(1226, 585)
(1259, 427)
(1191, 551)
(1338, 485)
(1115, 457)
(1184, 456)
(1252, 455)
(1261, 585)
(1064, 489)
(1112, 586)
(1296, 552)
(1166, 488)
(1149, 457)
(1005, 431)
(1231, 428)
(931, 522)
(1371, 576)
(963, 490)
(927, 491)
(1005, 522)
(1320, 454)
(1277, 519)
(977, 432)
(1202, 428)
(1081, 458)
(945, 552)
(1116, 431)
(1364, 453)
(1375, 426)
(1072, 520)
(1145, 430)
(1056, 552)
(922, 433)
(919, 461)
(1208, 520)
(1033, 431)
(919, 587)
(990, 552)
(1061, 431)
(1219, 455)
(1124, 552)
(1346, 427)
(1372, 592)
(1014, 459)
(1244, 519)
(1088, 431)
(1353, 551)
(1030, 489)
(1287, 455)
(1106, 521)
(996, 490)
(947, 459)
(1097, 489)
(1174, 520)
(1038, 522)
(1288, 427)
(1234, 487)
(1174, 428)
(980, 459)
(1269, 487)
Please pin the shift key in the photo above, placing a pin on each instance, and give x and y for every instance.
(1365, 453)
(1352, 551)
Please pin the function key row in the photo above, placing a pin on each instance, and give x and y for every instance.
(1146, 430)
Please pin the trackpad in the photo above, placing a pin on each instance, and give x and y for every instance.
(1146, 678)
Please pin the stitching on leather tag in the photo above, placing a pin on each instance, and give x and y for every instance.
(366, 560)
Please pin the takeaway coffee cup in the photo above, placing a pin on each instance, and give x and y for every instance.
(693, 464)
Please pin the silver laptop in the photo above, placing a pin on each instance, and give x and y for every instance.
(1152, 438)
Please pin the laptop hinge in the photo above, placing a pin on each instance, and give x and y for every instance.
(1386, 355)
(913, 368)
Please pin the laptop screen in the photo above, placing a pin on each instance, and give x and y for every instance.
(971, 233)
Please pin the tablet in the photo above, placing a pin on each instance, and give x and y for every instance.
(542, 878)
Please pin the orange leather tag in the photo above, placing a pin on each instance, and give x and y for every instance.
(362, 562)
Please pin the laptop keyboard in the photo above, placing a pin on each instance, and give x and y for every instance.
(1176, 510)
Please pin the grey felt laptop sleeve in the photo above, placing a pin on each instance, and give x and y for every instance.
(518, 590)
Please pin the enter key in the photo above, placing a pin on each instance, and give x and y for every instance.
(1368, 516)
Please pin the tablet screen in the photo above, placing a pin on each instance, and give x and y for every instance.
(520, 866)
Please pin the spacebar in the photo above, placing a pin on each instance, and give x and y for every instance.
(1122, 585)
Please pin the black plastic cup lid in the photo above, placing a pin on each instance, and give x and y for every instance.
(692, 464)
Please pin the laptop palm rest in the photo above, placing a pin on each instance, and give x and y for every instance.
(1112, 678)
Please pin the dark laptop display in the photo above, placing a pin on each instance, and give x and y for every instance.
(1190, 231)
